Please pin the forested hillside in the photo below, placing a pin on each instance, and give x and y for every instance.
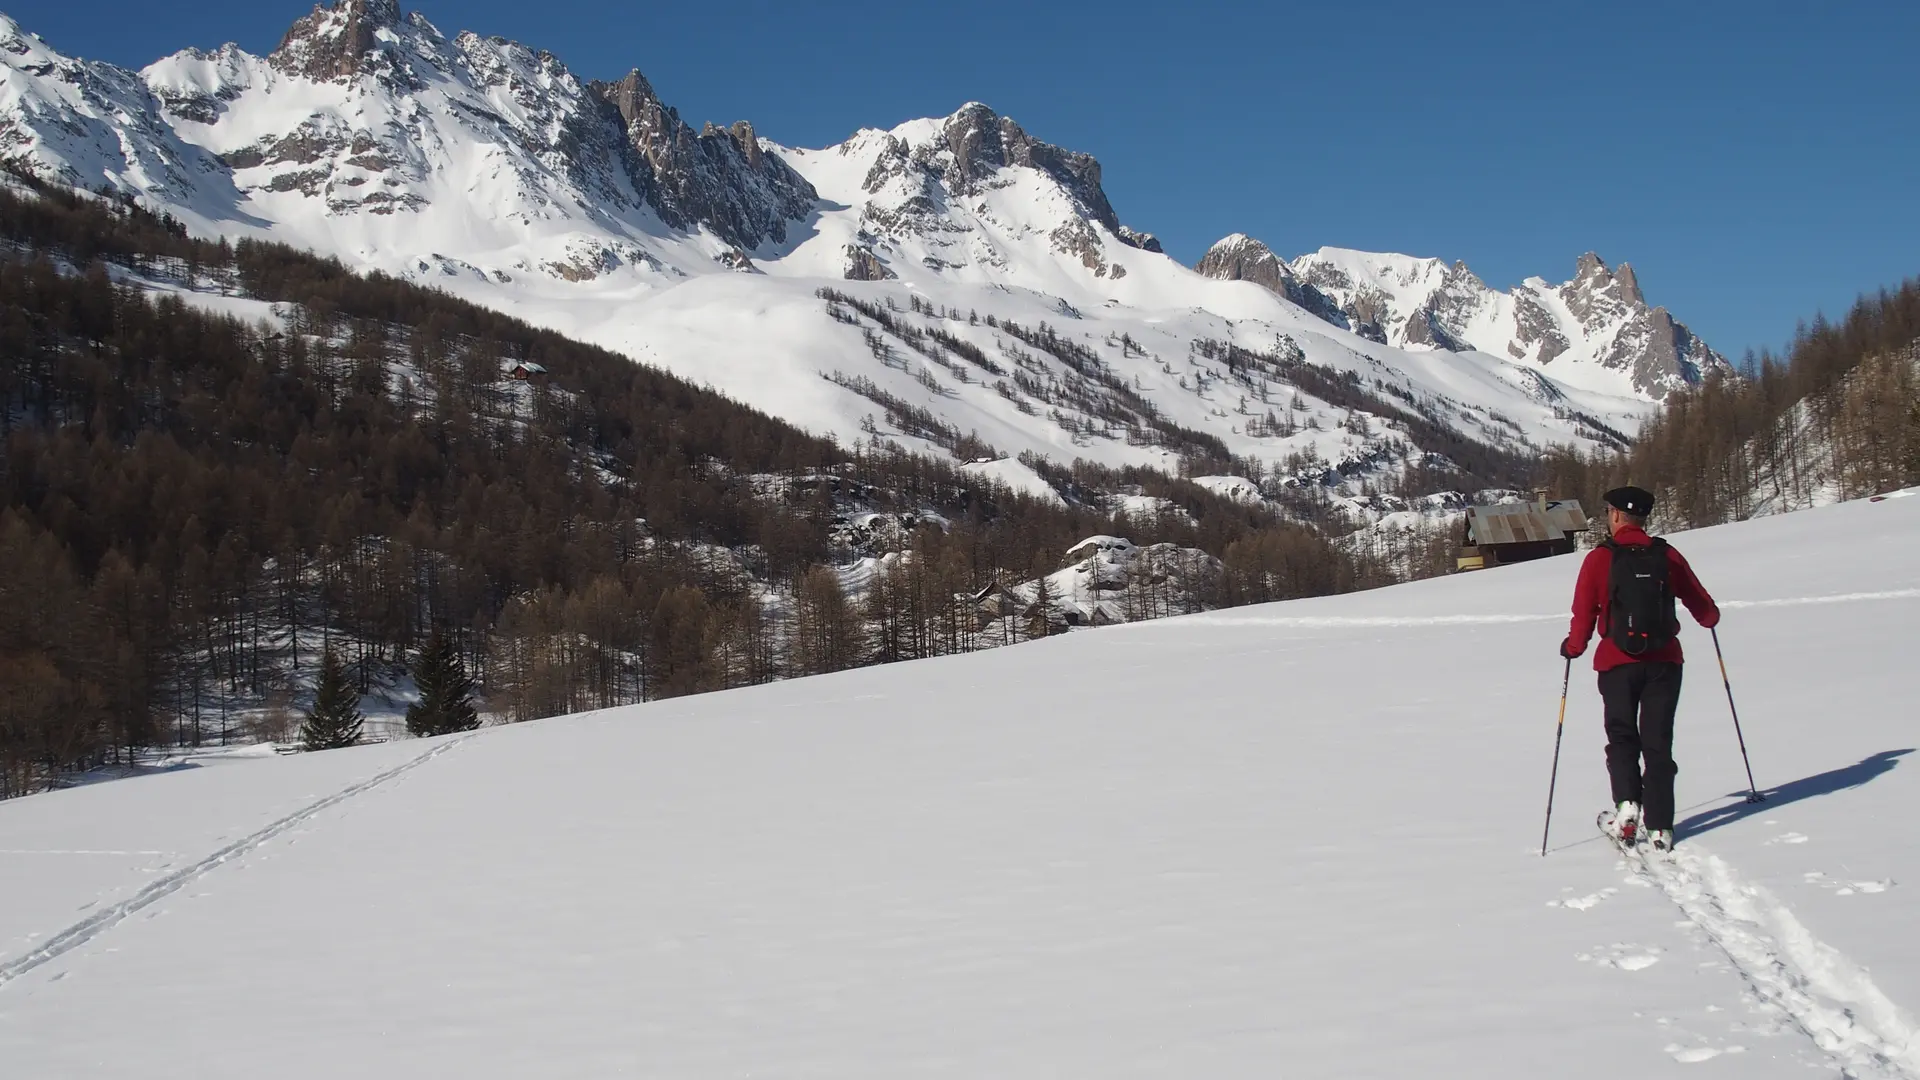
(192, 506)
(1837, 417)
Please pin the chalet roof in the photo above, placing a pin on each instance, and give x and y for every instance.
(1519, 523)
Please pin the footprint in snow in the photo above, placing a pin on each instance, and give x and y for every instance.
(1624, 956)
(1846, 888)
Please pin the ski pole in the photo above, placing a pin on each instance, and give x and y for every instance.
(1753, 792)
(1559, 727)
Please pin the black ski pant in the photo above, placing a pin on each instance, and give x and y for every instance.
(1640, 702)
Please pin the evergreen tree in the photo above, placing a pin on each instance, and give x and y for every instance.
(1040, 621)
(334, 721)
(446, 690)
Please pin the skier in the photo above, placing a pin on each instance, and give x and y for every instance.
(1627, 585)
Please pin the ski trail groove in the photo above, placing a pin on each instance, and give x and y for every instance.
(1825, 994)
(1325, 622)
(105, 919)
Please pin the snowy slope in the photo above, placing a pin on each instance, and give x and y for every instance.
(1224, 845)
(489, 169)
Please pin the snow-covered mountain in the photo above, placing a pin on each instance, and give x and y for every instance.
(488, 169)
(1598, 319)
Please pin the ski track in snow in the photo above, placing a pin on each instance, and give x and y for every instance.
(75, 851)
(1318, 622)
(101, 921)
(1825, 994)
(1836, 598)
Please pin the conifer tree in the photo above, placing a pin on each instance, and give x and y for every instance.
(446, 690)
(1041, 622)
(334, 721)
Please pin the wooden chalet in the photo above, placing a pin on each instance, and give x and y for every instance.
(1519, 532)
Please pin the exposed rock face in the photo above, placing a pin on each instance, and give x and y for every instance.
(718, 177)
(1600, 316)
(1658, 352)
(979, 143)
(1242, 258)
(864, 265)
(1536, 332)
(336, 42)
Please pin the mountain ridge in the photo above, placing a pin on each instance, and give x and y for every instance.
(1599, 315)
(488, 168)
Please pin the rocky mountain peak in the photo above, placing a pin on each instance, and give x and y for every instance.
(1594, 284)
(1629, 285)
(977, 138)
(1595, 292)
(981, 142)
(717, 176)
(335, 40)
(1240, 257)
(976, 142)
(633, 95)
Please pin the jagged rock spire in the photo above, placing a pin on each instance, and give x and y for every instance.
(717, 176)
(333, 41)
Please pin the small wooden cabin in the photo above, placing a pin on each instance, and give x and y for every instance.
(1519, 532)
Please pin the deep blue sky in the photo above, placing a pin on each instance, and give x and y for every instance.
(1756, 162)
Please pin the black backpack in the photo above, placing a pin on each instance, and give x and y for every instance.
(1640, 616)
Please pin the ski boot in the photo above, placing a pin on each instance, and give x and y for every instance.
(1622, 824)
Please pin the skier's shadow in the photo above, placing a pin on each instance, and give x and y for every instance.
(1807, 787)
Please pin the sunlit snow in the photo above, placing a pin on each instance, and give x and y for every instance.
(1298, 839)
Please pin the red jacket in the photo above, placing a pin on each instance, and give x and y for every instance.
(1590, 603)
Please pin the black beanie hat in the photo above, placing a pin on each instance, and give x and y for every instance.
(1631, 500)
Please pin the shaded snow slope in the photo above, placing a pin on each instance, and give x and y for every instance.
(1293, 839)
(489, 169)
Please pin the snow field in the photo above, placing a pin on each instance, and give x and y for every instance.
(1299, 840)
